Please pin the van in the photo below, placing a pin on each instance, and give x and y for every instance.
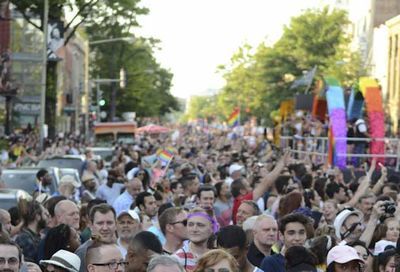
(108, 132)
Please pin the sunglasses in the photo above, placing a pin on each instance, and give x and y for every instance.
(183, 222)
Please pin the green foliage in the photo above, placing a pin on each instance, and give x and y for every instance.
(258, 79)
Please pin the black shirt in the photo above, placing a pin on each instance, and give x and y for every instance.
(255, 256)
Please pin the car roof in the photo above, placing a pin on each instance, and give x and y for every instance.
(29, 169)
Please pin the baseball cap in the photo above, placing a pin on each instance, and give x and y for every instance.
(383, 245)
(234, 167)
(342, 216)
(70, 179)
(131, 213)
(342, 254)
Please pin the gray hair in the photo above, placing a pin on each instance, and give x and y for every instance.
(164, 260)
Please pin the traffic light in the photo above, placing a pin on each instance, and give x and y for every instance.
(122, 78)
(102, 102)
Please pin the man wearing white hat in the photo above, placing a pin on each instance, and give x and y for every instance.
(62, 261)
(343, 258)
(235, 172)
(128, 224)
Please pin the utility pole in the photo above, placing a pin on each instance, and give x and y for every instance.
(44, 74)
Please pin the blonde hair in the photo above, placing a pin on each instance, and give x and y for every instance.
(215, 256)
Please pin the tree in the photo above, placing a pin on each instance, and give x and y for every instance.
(259, 81)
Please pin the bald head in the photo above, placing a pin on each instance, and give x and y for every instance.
(5, 220)
(265, 231)
(134, 187)
(67, 212)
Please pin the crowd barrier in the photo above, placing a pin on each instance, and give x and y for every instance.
(317, 148)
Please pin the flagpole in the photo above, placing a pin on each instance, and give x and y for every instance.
(167, 166)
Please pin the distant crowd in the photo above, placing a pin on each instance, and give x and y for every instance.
(203, 200)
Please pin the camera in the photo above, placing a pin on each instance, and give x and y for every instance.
(390, 207)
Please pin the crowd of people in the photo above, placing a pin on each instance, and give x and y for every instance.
(216, 202)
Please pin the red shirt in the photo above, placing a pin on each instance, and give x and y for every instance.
(236, 203)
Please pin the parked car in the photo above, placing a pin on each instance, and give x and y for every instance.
(25, 178)
(66, 161)
(11, 197)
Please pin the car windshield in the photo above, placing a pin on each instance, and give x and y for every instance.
(104, 139)
(125, 138)
(106, 155)
(62, 163)
(24, 180)
(7, 203)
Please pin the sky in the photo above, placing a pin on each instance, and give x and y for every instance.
(198, 35)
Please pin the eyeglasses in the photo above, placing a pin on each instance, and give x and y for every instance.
(11, 261)
(112, 265)
(183, 222)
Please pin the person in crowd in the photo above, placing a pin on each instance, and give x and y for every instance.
(89, 187)
(217, 260)
(173, 222)
(246, 210)
(386, 261)
(128, 225)
(320, 246)
(111, 189)
(43, 182)
(62, 261)
(127, 198)
(103, 256)
(190, 184)
(146, 204)
(178, 196)
(343, 258)
(10, 255)
(364, 253)
(91, 170)
(235, 172)
(293, 230)
(142, 248)
(155, 228)
(67, 187)
(329, 211)
(164, 263)
(242, 191)
(387, 233)
(365, 205)
(200, 228)
(265, 235)
(206, 197)
(103, 227)
(223, 204)
(233, 240)
(67, 212)
(35, 220)
(298, 258)
(5, 221)
(50, 205)
(61, 237)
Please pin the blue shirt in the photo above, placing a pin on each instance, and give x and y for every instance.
(109, 194)
(123, 202)
(273, 263)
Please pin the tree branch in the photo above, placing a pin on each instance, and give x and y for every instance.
(89, 4)
(26, 17)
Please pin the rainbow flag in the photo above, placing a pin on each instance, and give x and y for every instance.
(165, 156)
(234, 118)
